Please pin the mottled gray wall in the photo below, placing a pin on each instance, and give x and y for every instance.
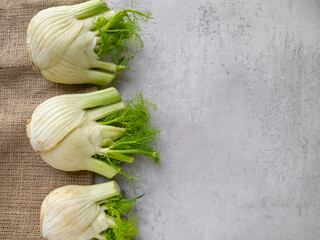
(237, 84)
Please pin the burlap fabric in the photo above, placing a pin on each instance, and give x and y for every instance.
(24, 178)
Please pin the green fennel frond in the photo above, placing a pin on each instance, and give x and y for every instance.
(139, 137)
(117, 32)
(125, 228)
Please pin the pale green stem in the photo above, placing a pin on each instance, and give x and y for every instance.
(117, 156)
(89, 8)
(99, 77)
(103, 191)
(100, 97)
(110, 66)
(107, 142)
(132, 151)
(90, 22)
(100, 167)
(112, 132)
(103, 111)
(111, 221)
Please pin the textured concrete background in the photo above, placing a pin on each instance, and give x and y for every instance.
(237, 84)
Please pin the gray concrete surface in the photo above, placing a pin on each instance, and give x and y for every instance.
(237, 84)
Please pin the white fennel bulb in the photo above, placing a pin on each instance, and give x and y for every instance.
(92, 131)
(85, 212)
(58, 116)
(66, 43)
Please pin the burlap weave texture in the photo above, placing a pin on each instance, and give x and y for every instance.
(24, 178)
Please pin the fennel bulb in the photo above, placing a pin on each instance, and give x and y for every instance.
(87, 212)
(66, 43)
(69, 134)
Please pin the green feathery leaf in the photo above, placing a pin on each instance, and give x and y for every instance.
(125, 228)
(117, 32)
(139, 136)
